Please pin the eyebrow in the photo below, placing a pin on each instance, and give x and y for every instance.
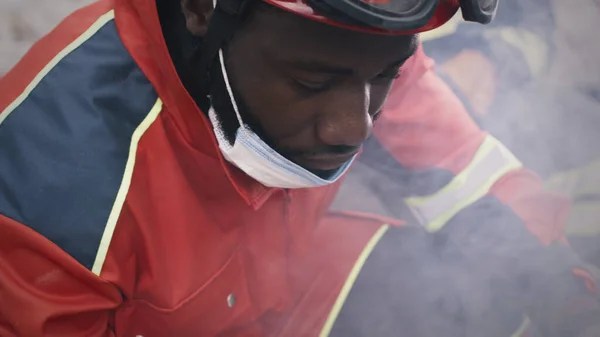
(316, 66)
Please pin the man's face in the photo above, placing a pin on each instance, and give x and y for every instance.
(311, 90)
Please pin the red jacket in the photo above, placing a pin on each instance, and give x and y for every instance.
(119, 216)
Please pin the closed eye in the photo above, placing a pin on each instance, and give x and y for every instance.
(394, 71)
(377, 115)
(388, 75)
(313, 86)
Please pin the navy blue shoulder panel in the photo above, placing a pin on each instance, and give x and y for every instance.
(64, 149)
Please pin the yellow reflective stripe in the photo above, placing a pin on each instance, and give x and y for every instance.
(584, 220)
(578, 183)
(492, 161)
(351, 279)
(522, 329)
(115, 212)
(447, 29)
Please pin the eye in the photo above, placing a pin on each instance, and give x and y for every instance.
(377, 115)
(388, 75)
(313, 86)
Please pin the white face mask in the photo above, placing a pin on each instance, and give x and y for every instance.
(257, 159)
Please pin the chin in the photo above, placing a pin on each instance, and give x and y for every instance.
(325, 174)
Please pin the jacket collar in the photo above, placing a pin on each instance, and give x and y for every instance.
(140, 30)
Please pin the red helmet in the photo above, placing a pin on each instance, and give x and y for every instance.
(391, 17)
(395, 17)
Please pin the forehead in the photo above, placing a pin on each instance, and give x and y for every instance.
(291, 36)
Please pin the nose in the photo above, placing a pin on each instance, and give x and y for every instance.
(345, 119)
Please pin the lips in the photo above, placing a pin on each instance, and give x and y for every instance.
(323, 162)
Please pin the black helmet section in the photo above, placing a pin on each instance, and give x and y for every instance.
(393, 15)
(481, 11)
(227, 17)
(399, 15)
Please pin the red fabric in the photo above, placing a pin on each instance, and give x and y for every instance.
(443, 13)
(424, 124)
(544, 213)
(587, 278)
(194, 230)
(44, 292)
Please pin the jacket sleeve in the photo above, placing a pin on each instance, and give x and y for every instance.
(463, 184)
(440, 163)
(45, 292)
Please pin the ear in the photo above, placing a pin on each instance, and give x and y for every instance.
(197, 15)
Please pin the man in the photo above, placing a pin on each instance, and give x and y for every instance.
(170, 175)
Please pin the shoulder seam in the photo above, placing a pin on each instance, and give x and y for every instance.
(115, 212)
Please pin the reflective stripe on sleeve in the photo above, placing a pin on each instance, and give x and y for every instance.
(492, 161)
(522, 330)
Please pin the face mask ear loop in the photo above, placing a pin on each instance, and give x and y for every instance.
(229, 91)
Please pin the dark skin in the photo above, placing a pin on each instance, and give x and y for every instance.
(313, 89)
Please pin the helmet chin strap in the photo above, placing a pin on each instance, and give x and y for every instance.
(227, 17)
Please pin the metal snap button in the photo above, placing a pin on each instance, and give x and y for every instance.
(231, 300)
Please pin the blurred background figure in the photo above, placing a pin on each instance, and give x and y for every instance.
(515, 49)
(578, 65)
(534, 82)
